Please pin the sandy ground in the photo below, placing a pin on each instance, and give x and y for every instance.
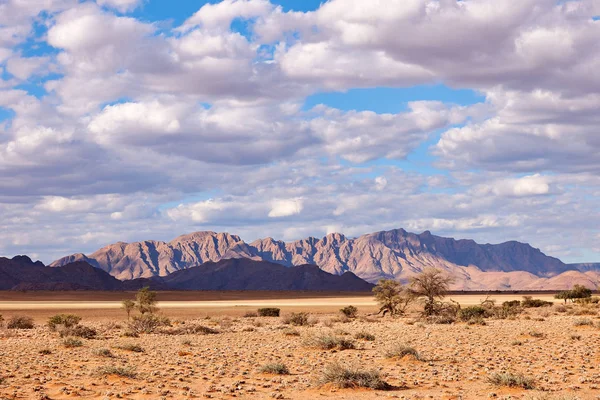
(543, 344)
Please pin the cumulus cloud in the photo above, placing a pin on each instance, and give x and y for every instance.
(141, 124)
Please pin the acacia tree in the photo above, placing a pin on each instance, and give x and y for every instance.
(578, 292)
(431, 284)
(391, 296)
(128, 306)
(146, 301)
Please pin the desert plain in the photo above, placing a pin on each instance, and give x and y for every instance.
(556, 349)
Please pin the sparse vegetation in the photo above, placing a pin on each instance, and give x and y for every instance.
(511, 380)
(191, 329)
(250, 314)
(472, 312)
(577, 292)
(145, 301)
(275, 369)
(343, 378)
(401, 350)
(291, 332)
(583, 322)
(349, 311)
(269, 312)
(20, 322)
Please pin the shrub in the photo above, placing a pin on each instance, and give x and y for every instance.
(344, 378)
(402, 350)
(365, 336)
(511, 380)
(511, 304)
(575, 337)
(104, 353)
(145, 301)
(20, 322)
(1, 320)
(71, 342)
(269, 312)
(66, 320)
(536, 334)
(529, 302)
(349, 311)
(79, 331)
(130, 347)
(297, 319)
(127, 372)
(477, 321)
(45, 352)
(329, 342)
(583, 322)
(291, 332)
(276, 369)
(147, 323)
(471, 312)
(251, 314)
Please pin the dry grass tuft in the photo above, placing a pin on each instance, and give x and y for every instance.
(509, 379)
(343, 378)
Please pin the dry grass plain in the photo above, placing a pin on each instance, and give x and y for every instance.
(557, 348)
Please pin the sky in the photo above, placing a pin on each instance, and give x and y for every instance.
(128, 120)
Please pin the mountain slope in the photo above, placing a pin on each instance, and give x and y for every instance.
(20, 273)
(393, 254)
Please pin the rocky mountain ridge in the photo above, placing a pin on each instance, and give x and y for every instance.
(395, 254)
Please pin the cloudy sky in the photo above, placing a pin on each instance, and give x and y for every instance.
(125, 120)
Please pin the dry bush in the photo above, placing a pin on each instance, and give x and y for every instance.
(192, 329)
(364, 336)
(104, 353)
(126, 372)
(329, 342)
(71, 342)
(509, 379)
(275, 369)
(20, 322)
(343, 378)
(250, 314)
(536, 334)
(147, 323)
(402, 350)
(583, 322)
(79, 331)
(45, 352)
(468, 313)
(349, 311)
(269, 312)
(296, 319)
(291, 332)
(130, 347)
(529, 302)
(477, 321)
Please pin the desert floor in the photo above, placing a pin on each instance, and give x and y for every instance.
(557, 347)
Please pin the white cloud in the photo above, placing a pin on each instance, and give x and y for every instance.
(286, 208)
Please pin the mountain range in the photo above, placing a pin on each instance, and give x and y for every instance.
(395, 254)
(21, 273)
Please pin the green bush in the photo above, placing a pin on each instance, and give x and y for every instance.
(349, 311)
(529, 302)
(66, 320)
(472, 312)
(20, 322)
(269, 312)
(511, 304)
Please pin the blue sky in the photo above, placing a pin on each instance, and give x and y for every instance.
(297, 118)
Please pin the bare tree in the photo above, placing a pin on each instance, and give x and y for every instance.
(432, 284)
(392, 297)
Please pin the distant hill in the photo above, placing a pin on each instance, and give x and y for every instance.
(395, 254)
(245, 274)
(585, 267)
(21, 273)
